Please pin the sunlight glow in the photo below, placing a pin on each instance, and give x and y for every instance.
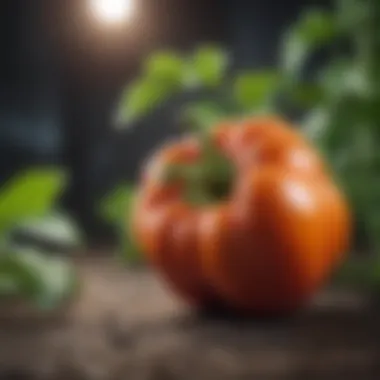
(112, 11)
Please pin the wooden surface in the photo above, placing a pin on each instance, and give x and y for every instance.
(125, 325)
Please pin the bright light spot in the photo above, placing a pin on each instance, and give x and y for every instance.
(112, 11)
(299, 196)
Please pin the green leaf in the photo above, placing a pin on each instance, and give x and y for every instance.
(341, 134)
(254, 89)
(141, 98)
(372, 224)
(34, 277)
(114, 205)
(203, 115)
(116, 208)
(55, 229)
(315, 124)
(58, 281)
(318, 26)
(16, 278)
(344, 78)
(332, 79)
(30, 194)
(313, 29)
(296, 51)
(365, 145)
(130, 251)
(358, 81)
(165, 74)
(337, 137)
(307, 95)
(359, 273)
(167, 67)
(353, 14)
(208, 67)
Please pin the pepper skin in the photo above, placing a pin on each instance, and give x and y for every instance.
(271, 245)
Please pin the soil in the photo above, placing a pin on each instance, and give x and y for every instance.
(126, 325)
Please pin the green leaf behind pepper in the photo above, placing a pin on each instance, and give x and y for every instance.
(29, 194)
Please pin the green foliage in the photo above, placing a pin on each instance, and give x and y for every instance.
(344, 78)
(359, 273)
(29, 194)
(162, 77)
(209, 66)
(113, 206)
(165, 67)
(353, 14)
(55, 229)
(314, 29)
(315, 123)
(167, 74)
(116, 208)
(203, 115)
(142, 97)
(255, 89)
(27, 273)
(30, 275)
(305, 95)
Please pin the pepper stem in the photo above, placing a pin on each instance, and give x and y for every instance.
(210, 178)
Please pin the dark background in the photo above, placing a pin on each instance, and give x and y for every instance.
(61, 74)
